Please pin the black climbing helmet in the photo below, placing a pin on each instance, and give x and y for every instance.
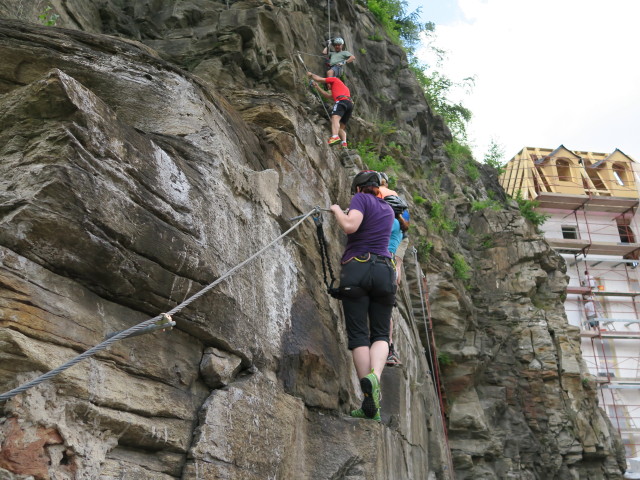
(384, 178)
(365, 178)
(398, 204)
(338, 41)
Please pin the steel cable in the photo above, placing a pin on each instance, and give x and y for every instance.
(126, 333)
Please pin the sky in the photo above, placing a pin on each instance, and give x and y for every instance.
(547, 72)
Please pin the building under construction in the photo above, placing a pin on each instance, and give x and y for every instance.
(592, 201)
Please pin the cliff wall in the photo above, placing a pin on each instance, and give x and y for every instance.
(146, 149)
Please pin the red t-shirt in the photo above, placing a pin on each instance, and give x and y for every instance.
(337, 88)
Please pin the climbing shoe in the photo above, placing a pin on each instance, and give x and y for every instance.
(333, 140)
(393, 358)
(371, 389)
(344, 145)
(359, 413)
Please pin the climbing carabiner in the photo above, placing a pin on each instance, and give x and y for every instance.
(317, 215)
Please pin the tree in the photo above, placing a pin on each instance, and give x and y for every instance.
(404, 28)
(494, 156)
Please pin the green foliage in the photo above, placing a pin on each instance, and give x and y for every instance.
(417, 199)
(472, 170)
(494, 156)
(385, 163)
(446, 225)
(363, 51)
(402, 27)
(405, 29)
(379, 155)
(460, 155)
(437, 220)
(373, 161)
(380, 141)
(444, 359)
(482, 204)
(47, 17)
(386, 128)
(395, 146)
(366, 151)
(457, 150)
(436, 88)
(437, 210)
(424, 248)
(487, 241)
(527, 209)
(461, 268)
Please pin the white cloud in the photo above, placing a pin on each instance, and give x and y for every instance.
(548, 72)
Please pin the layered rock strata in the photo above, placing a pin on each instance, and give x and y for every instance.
(137, 170)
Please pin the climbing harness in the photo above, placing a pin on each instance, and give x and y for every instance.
(139, 328)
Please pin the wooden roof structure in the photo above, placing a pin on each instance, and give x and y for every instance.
(564, 179)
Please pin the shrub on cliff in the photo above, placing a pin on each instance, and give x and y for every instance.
(402, 27)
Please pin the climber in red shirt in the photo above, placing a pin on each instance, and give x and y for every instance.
(342, 109)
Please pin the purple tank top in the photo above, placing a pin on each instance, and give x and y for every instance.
(373, 234)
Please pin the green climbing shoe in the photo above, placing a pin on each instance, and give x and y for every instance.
(359, 413)
(371, 390)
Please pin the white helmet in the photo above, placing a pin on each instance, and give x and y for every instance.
(338, 41)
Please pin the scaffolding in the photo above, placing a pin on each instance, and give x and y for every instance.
(592, 201)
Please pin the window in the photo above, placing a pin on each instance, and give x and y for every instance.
(564, 170)
(570, 232)
(620, 173)
(625, 232)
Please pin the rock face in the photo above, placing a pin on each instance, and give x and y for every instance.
(150, 147)
(522, 398)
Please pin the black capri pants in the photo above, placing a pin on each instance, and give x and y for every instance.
(367, 309)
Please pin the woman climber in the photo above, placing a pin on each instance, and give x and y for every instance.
(367, 285)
